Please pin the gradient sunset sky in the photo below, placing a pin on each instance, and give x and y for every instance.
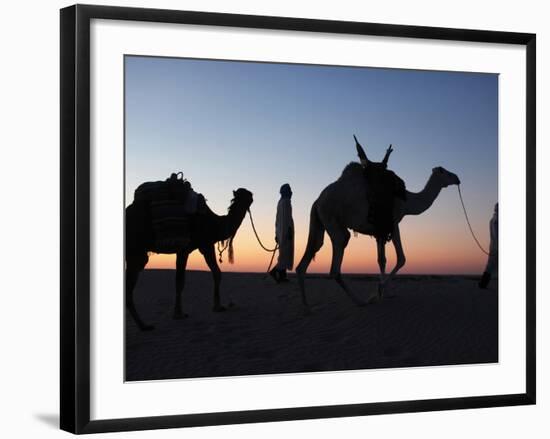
(228, 124)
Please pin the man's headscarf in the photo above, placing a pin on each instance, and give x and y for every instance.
(285, 191)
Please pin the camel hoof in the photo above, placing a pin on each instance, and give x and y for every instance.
(231, 304)
(361, 303)
(381, 289)
(219, 308)
(373, 299)
(180, 315)
(307, 310)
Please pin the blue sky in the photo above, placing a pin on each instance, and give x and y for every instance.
(229, 124)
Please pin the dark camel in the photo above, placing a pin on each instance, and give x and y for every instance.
(205, 230)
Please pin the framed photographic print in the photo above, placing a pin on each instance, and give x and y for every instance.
(301, 217)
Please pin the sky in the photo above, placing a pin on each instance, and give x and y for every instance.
(229, 124)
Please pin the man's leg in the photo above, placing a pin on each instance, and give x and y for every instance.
(275, 274)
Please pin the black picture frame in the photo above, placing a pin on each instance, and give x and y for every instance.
(75, 217)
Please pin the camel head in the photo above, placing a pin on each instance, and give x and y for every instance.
(242, 197)
(444, 177)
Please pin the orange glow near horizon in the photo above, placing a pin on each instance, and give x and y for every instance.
(428, 250)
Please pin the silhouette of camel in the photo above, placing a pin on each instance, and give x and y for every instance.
(343, 205)
(205, 230)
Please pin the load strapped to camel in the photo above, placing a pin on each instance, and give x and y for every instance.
(383, 186)
(171, 202)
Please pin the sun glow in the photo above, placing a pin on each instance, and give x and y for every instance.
(429, 250)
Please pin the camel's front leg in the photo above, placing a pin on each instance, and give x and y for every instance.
(400, 254)
(210, 258)
(381, 250)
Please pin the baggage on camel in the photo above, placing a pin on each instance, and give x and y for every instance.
(171, 203)
(383, 187)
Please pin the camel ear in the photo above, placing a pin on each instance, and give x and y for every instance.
(234, 193)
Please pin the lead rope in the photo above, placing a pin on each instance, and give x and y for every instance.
(468, 221)
(272, 251)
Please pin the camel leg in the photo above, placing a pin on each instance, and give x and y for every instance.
(210, 258)
(301, 269)
(400, 254)
(181, 264)
(314, 243)
(381, 250)
(133, 267)
(340, 237)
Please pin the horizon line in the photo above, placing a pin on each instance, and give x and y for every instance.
(320, 272)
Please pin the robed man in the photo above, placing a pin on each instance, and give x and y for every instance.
(284, 235)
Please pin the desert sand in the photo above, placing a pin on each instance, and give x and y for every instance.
(423, 321)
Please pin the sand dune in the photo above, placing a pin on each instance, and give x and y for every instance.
(426, 320)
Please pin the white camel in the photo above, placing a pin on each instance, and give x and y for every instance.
(343, 206)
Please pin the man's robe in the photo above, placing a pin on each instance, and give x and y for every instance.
(492, 261)
(284, 231)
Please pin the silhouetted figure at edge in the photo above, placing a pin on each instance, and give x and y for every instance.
(284, 235)
(492, 260)
(383, 187)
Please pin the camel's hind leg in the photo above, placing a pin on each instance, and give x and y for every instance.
(181, 264)
(314, 243)
(381, 251)
(339, 237)
(134, 265)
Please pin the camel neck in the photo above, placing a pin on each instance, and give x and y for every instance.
(232, 221)
(419, 202)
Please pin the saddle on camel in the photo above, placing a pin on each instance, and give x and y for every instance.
(383, 186)
(171, 203)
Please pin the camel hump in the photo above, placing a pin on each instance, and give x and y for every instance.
(383, 187)
(395, 184)
(171, 203)
(173, 188)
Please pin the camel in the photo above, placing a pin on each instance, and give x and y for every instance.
(205, 230)
(343, 205)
